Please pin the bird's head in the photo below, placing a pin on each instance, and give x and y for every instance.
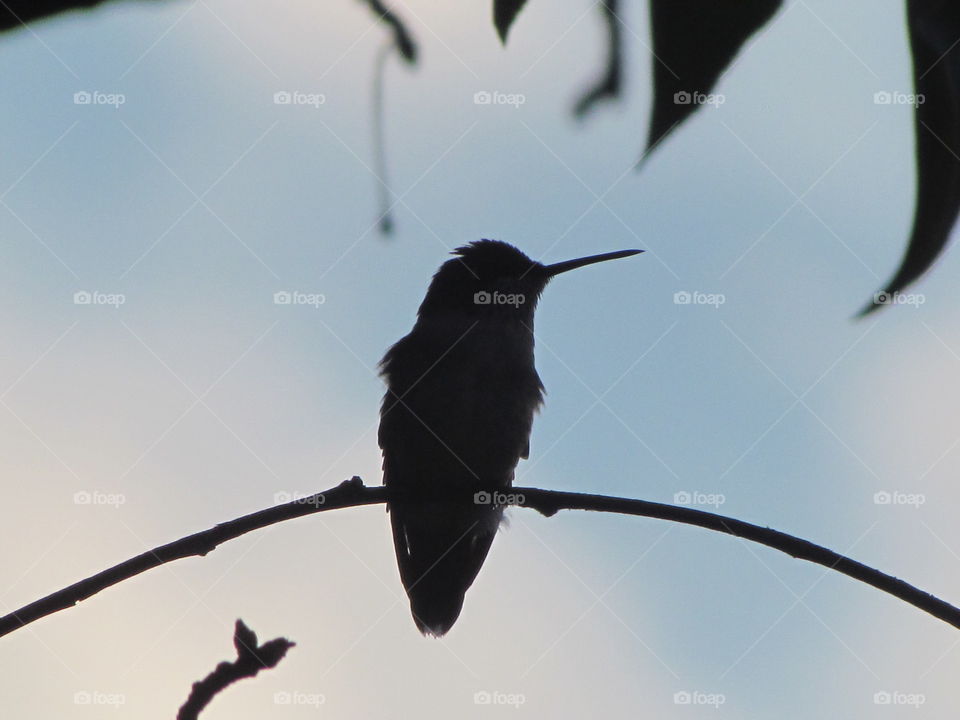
(490, 277)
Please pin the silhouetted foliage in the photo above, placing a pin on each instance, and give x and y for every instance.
(694, 42)
(401, 38)
(934, 29)
(504, 13)
(15, 13)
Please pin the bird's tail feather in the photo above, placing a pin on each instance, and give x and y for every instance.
(439, 561)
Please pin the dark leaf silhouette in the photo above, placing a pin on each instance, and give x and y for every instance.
(608, 86)
(934, 29)
(693, 43)
(14, 13)
(401, 37)
(504, 13)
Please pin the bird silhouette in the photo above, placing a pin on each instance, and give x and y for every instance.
(462, 390)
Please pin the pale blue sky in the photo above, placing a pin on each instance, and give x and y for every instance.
(199, 399)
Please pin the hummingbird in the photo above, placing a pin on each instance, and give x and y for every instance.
(462, 390)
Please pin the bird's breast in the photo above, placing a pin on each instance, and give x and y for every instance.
(462, 405)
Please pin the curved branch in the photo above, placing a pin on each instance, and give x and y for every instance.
(349, 493)
(549, 502)
(353, 493)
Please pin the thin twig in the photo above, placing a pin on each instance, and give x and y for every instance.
(380, 141)
(607, 86)
(251, 659)
(403, 42)
(549, 502)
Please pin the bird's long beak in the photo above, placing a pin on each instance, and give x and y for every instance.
(562, 267)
